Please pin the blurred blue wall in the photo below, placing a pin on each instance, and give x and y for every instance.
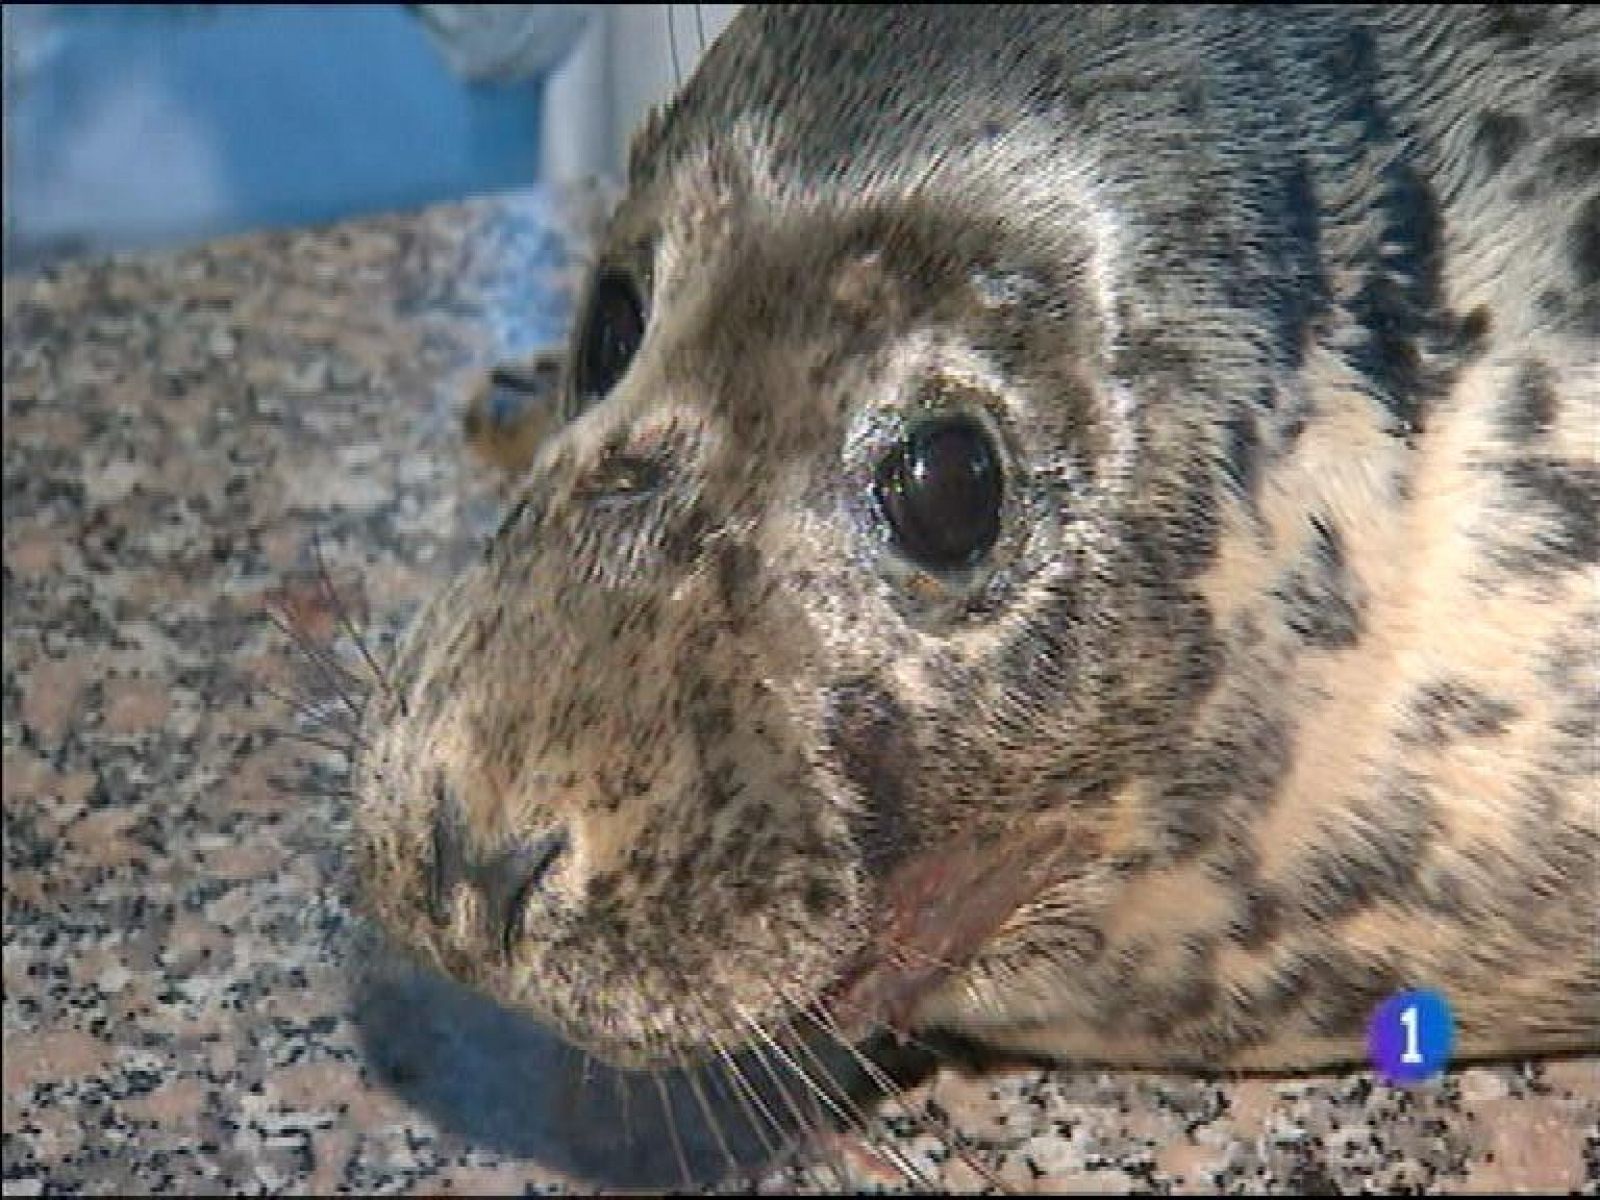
(132, 126)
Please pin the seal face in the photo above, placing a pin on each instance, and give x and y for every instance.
(1073, 527)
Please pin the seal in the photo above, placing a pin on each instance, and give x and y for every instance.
(1070, 528)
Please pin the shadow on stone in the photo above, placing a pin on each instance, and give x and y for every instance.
(505, 1084)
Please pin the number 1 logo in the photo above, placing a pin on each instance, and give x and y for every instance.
(1411, 1036)
(1411, 1057)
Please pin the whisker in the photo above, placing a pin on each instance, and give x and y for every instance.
(672, 1130)
(622, 1103)
(341, 614)
(952, 1139)
(332, 671)
(715, 1125)
(742, 1088)
(788, 1061)
(897, 1095)
(311, 739)
(839, 1035)
(858, 1119)
(907, 1036)
(309, 647)
(807, 1132)
(826, 1021)
(812, 1131)
(318, 715)
(309, 709)
(879, 1077)
(740, 1085)
(662, 1089)
(700, 28)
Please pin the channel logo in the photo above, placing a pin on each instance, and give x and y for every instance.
(1411, 1036)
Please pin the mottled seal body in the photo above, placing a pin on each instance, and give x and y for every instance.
(1073, 527)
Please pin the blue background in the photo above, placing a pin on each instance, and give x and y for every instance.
(304, 114)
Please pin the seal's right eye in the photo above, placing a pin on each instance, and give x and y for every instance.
(613, 327)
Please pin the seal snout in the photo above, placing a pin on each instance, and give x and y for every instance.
(504, 883)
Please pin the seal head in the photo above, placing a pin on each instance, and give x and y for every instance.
(967, 588)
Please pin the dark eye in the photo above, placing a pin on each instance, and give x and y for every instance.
(941, 488)
(613, 327)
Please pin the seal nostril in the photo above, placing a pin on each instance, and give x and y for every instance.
(505, 881)
(515, 876)
(448, 863)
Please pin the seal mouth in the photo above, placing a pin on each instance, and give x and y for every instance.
(934, 917)
(937, 913)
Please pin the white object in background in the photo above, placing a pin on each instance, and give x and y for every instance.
(623, 65)
(503, 43)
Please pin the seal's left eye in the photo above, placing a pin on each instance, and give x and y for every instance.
(940, 488)
(613, 327)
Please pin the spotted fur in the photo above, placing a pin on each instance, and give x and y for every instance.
(1278, 690)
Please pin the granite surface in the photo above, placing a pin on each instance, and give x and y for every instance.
(189, 1003)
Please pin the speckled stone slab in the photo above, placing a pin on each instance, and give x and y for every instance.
(189, 1002)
